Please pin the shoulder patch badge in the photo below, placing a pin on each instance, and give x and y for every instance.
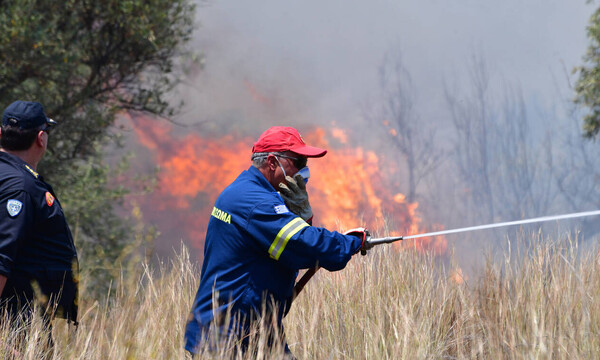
(281, 209)
(14, 207)
(49, 198)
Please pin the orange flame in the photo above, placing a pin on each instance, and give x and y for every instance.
(457, 277)
(347, 188)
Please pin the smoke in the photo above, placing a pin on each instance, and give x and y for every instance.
(315, 64)
(316, 60)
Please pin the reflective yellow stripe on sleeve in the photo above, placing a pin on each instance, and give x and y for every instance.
(284, 236)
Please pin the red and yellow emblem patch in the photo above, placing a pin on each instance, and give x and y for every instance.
(49, 198)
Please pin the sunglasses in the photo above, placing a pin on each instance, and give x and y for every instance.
(299, 162)
(47, 128)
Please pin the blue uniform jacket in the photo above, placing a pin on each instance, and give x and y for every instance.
(253, 250)
(35, 241)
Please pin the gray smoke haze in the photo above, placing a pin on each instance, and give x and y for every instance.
(316, 62)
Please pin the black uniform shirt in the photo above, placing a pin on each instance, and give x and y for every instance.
(35, 241)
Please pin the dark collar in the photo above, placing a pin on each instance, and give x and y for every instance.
(18, 162)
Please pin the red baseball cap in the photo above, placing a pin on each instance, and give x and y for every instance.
(285, 138)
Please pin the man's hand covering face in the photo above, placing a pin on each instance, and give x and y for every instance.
(295, 196)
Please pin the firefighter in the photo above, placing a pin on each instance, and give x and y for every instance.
(259, 235)
(37, 253)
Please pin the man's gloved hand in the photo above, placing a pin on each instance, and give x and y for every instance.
(295, 196)
(364, 235)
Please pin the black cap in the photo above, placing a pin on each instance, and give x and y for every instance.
(26, 115)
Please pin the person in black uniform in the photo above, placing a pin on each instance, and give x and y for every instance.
(36, 245)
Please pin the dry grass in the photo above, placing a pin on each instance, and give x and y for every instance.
(539, 302)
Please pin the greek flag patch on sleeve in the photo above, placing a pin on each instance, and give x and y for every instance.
(281, 209)
(14, 207)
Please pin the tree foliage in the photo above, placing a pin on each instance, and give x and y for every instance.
(588, 84)
(85, 61)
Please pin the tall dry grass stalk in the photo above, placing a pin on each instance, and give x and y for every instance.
(540, 301)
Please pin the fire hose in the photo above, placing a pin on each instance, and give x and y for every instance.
(370, 242)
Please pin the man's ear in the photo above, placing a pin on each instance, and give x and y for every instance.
(40, 139)
(272, 162)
